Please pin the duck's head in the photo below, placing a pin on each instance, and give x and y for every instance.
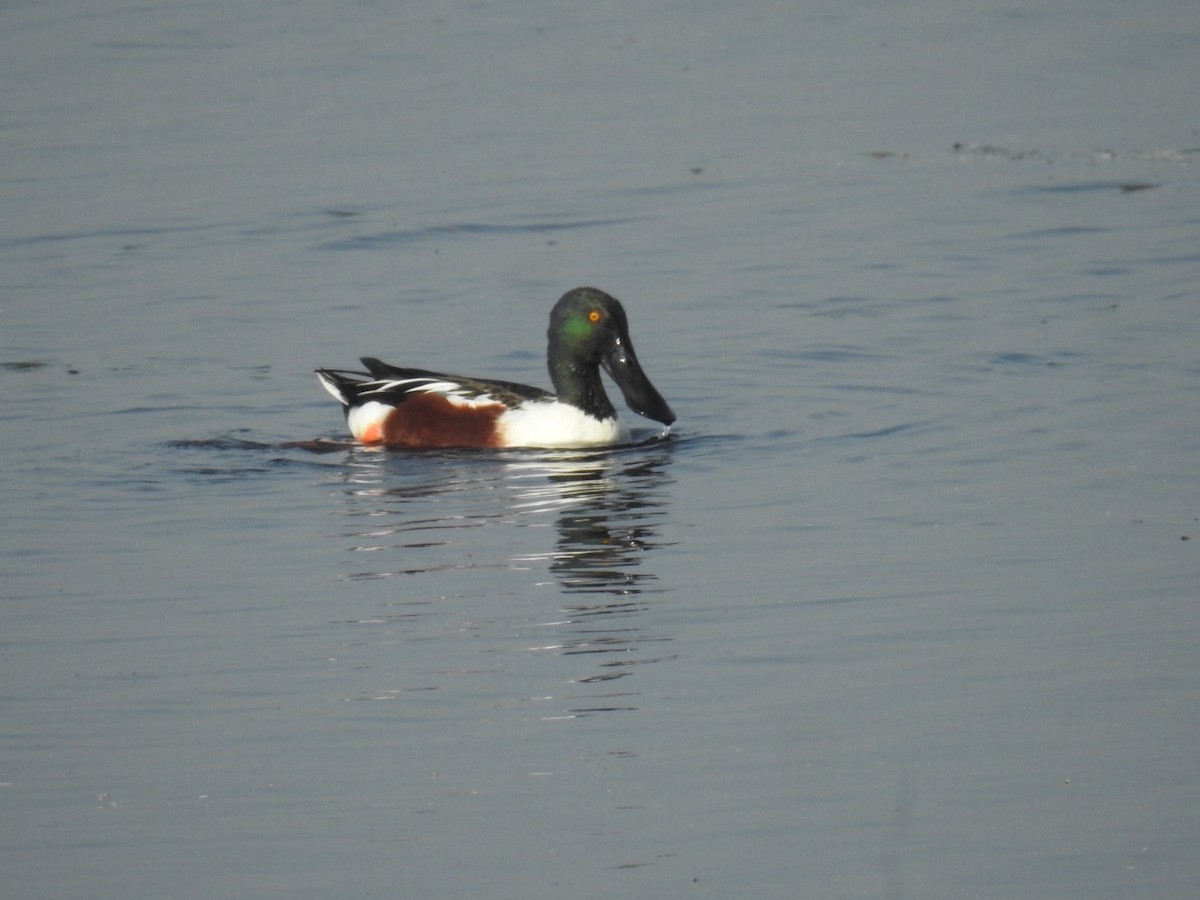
(588, 329)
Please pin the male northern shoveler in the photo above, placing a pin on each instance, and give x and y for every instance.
(415, 408)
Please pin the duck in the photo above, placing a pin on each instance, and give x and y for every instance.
(390, 406)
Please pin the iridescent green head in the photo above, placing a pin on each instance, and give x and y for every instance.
(588, 330)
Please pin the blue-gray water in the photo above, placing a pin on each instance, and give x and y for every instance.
(908, 606)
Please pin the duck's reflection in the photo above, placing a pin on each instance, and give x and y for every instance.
(418, 515)
(608, 510)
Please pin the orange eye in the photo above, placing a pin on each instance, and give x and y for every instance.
(594, 316)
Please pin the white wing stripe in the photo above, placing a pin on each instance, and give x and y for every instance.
(451, 390)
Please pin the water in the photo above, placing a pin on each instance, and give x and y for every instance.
(905, 607)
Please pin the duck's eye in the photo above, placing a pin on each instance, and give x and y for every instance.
(594, 316)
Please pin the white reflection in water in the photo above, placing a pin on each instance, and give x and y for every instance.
(604, 505)
(584, 522)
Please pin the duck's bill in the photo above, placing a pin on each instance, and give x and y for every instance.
(620, 362)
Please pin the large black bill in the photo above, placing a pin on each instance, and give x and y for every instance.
(621, 364)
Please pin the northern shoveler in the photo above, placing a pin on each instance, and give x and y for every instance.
(416, 408)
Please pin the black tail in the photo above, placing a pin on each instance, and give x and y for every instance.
(342, 384)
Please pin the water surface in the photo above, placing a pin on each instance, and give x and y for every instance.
(906, 604)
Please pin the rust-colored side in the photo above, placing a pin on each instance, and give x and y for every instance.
(430, 420)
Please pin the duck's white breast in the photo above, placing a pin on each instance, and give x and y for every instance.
(554, 424)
